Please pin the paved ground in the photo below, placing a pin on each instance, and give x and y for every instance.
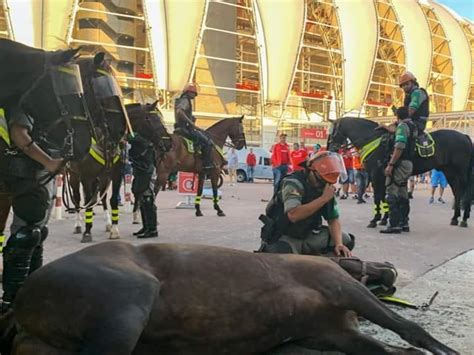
(431, 243)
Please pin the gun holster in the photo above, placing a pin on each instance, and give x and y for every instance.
(268, 232)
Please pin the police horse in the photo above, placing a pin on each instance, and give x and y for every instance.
(183, 156)
(103, 165)
(453, 154)
(120, 299)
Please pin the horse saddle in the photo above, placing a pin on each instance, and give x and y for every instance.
(425, 145)
(190, 146)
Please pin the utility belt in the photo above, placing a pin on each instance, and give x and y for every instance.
(20, 166)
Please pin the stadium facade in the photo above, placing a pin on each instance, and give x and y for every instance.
(288, 65)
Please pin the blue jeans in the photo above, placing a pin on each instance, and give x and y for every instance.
(362, 180)
(278, 173)
(250, 170)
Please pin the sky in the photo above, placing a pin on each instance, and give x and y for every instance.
(465, 8)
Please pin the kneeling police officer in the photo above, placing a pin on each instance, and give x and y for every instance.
(293, 219)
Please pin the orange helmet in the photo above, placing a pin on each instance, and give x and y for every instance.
(191, 87)
(328, 165)
(406, 76)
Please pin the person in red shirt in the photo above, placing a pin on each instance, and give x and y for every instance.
(280, 160)
(251, 162)
(298, 155)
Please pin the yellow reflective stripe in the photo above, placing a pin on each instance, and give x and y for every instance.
(115, 215)
(385, 207)
(219, 150)
(89, 216)
(3, 127)
(96, 153)
(66, 70)
(103, 72)
(369, 148)
(215, 199)
(2, 240)
(197, 200)
(96, 156)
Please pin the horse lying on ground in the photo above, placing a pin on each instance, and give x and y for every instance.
(115, 298)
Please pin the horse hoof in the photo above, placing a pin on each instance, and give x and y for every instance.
(86, 238)
(108, 227)
(383, 223)
(454, 222)
(77, 230)
(372, 224)
(221, 214)
(199, 214)
(463, 224)
(113, 236)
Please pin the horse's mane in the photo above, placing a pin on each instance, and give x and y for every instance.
(19, 66)
(221, 122)
(365, 122)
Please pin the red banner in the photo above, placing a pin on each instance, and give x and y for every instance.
(187, 183)
(316, 133)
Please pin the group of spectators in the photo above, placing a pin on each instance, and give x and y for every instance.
(285, 160)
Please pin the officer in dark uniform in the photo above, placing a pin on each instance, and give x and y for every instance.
(185, 124)
(416, 102)
(398, 172)
(143, 157)
(31, 160)
(293, 220)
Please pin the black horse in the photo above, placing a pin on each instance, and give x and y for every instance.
(102, 165)
(453, 155)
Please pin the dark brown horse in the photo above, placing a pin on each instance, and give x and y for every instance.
(26, 82)
(178, 158)
(103, 165)
(118, 299)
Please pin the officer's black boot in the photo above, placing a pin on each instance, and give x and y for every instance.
(394, 216)
(17, 261)
(404, 204)
(37, 257)
(151, 219)
(144, 221)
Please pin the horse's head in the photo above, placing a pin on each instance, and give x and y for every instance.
(336, 138)
(147, 121)
(237, 133)
(56, 102)
(104, 97)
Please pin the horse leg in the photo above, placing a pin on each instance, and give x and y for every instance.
(89, 212)
(105, 208)
(136, 212)
(377, 213)
(197, 200)
(75, 183)
(385, 212)
(454, 183)
(379, 196)
(116, 182)
(215, 195)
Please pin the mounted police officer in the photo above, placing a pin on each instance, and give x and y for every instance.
(398, 172)
(293, 220)
(143, 157)
(185, 124)
(32, 160)
(416, 102)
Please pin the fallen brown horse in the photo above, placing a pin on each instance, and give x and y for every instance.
(115, 298)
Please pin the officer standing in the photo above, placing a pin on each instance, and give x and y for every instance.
(142, 156)
(398, 172)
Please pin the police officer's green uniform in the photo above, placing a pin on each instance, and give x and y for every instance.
(396, 185)
(418, 100)
(303, 237)
(143, 157)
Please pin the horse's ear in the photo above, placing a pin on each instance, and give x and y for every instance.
(99, 58)
(153, 106)
(242, 118)
(61, 57)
